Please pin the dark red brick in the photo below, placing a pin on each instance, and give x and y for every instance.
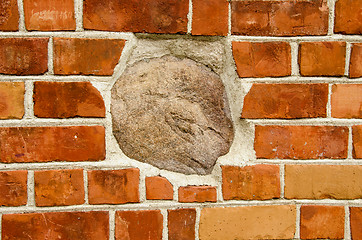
(197, 194)
(9, 15)
(356, 222)
(181, 224)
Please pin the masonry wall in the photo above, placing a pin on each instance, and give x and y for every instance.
(292, 72)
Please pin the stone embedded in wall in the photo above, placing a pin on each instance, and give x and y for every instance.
(172, 113)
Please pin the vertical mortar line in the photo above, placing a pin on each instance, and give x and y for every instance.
(297, 222)
(142, 186)
(229, 19)
(31, 185)
(294, 58)
(85, 178)
(331, 4)
(112, 224)
(28, 100)
(189, 18)
(347, 225)
(350, 143)
(282, 184)
(329, 106)
(197, 223)
(21, 16)
(220, 197)
(78, 14)
(50, 56)
(348, 58)
(165, 224)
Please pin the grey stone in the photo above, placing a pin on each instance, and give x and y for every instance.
(172, 113)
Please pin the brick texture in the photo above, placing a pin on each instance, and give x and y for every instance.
(9, 18)
(355, 66)
(321, 222)
(279, 18)
(301, 142)
(23, 56)
(286, 101)
(356, 221)
(357, 141)
(82, 56)
(255, 222)
(150, 16)
(197, 194)
(139, 225)
(46, 144)
(56, 225)
(258, 182)
(323, 181)
(49, 15)
(67, 99)
(346, 101)
(181, 224)
(322, 58)
(268, 59)
(12, 100)
(158, 188)
(348, 17)
(13, 188)
(59, 187)
(113, 186)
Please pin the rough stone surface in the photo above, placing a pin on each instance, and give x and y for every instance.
(9, 15)
(172, 113)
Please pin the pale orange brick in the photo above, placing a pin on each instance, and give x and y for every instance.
(158, 188)
(348, 15)
(346, 101)
(12, 100)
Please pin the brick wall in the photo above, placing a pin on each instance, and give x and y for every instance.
(292, 71)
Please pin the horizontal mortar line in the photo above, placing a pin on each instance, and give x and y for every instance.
(300, 79)
(50, 122)
(334, 37)
(174, 204)
(69, 78)
(306, 122)
(346, 162)
(78, 34)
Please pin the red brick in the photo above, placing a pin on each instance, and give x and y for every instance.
(23, 56)
(318, 222)
(356, 222)
(346, 100)
(357, 141)
(158, 188)
(210, 18)
(74, 56)
(258, 182)
(49, 15)
(46, 144)
(322, 58)
(323, 181)
(59, 187)
(181, 224)
(197, 194)
(301, 142)
(56, 225)
(286, 101)
(267, 59)
(12, 100)
(150, 16)
(9, 17)
(139, 225)
(348, 14)
(279, 18)
(13, 188)
(355, 65)
(113, 186)
(67, 99)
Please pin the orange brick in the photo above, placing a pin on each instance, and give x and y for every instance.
(357, 141)
(67, 99)
(355, 65)
(9, 18)
(46, 144)
(150, 16)
(258, 182)
(301, 142)
(346, 100)
(12, 100)
(279, 18)
(74, 56)
(181, 224)
(323, 181)
(158, 188)
(49, 15)
(356, 222)
(348, 17)
(212, 11)
(139, 225)
(286, 101)
(197, 194)
(322, 58)
(23, 56)
(113, 186)
(267, 59)
(56, 225)
(254, 222)
(13, 188)
(318, 222)
(59, 187)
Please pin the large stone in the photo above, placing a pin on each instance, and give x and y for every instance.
(172, 113)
